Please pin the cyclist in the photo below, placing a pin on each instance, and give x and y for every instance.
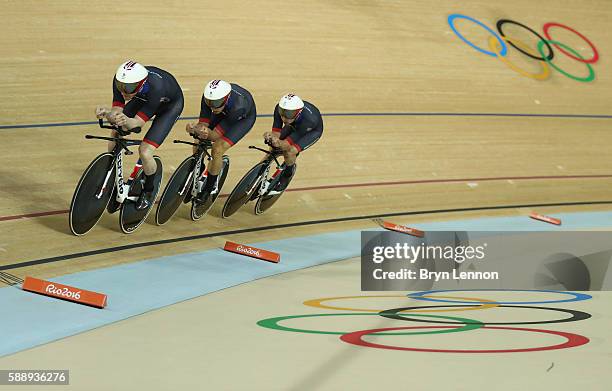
(297, 126)
(227, 114)
(139, 94)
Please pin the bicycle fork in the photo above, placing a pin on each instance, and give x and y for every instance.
(266, 183)
(119, 183)
(197, 185)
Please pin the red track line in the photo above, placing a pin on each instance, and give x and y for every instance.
(366, 184)
(29, 215)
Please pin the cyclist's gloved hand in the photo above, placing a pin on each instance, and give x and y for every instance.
(121, 119)
(202, 133)
(190, 128)
(271, 139)
(275, 142)
(102, 112)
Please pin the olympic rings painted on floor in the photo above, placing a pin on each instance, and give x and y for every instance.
(400, 314)
(451, 22)
(577, 296)
(273, 323)
(591, 75)
(592, 60)
(499, 49)
(573, 340)
(543, 75)
(551, 53)
(408, 314)
(317, 303)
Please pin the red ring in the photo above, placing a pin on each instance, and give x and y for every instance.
(573, 340)
(595, 58)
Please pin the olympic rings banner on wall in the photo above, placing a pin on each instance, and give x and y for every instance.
(422, 314)
(499, 43)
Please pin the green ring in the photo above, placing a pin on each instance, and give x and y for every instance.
(273, 323)
(587, 79)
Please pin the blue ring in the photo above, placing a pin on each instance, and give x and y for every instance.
(504, 47)
(577, 296)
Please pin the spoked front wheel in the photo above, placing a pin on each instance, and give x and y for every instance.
(178, 187)
(131, 218)
(90, 199)
(199, 210)
(243, 190)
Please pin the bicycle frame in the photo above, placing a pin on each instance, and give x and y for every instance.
(120, 145)
(264, 183)
(202, 150)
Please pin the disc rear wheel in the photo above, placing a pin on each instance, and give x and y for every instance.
(131, 218)
(199, 210)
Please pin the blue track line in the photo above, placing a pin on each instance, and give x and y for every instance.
(585, 116)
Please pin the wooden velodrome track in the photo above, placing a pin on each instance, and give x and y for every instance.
(352, 58)
(58, 61)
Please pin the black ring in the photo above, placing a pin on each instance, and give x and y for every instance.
(576, 315)
(501, 22)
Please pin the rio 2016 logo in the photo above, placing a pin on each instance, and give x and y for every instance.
(498, 47)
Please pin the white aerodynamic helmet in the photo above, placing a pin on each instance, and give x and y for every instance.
(130, 77)
(290, 106)
(216, 93)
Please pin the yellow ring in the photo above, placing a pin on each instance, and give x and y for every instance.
(317, 303)
(494, 46)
